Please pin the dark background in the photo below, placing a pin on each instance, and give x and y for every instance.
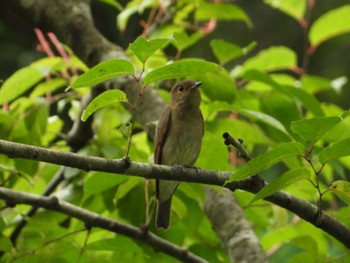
(271, 28)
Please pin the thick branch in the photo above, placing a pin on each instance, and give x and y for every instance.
(92, 219)
(301, 207)
(232, 227)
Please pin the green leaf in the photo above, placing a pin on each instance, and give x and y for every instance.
(295, 9)
(283, 181)
(265, 161)
(330, 24)
(183, 41)
(97, 182)
(225, 51)
(106, 70)
(182, 68)
(271, 59)
(48, 86)
(314, 84)
(337, 150)
(312, 130)
(5, 243)
(342, 190)
(144, 48)
(21, 81)
(106, 98)
(126, 187)
(221, 11)
(218, 86)
(308, 101)
(136, 6)
(269, 120)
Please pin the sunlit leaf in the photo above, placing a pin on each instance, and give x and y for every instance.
(295, 9)
(226, 51)
(265, 161)
(25, 78)
(144, 48)
(221, 11)
(283, 181)
(106, 70)
(182, 68)
(329, 25)
(342, 190)
(312, 130)
(106, 98)
(335, 151)
(183, 41)
(271, 59)
(131, 8)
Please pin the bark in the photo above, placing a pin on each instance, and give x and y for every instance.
(300, 207)
(232, 227)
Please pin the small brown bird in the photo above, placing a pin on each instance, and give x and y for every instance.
(178, 141)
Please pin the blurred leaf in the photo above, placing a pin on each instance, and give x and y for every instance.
(5, 243)
(106, 98)
(221, 11)
(113, 3)
(144, 48)
(282, 107)
(335, 151)
(97, 182)
(131, 8)
(25, 78)
(226, 51)
(342, 190)
(183, 41)
(295, 9)
(110, 244)
(182, 68)
(329, 25)
(271, 59)
(265, 161)
(105, 70)
(312, 130)
(281, 182)
(126, 187)
(50, 85)
(218, 86)
(36, 119)
(314, 84)
(308, 101)
(265, 119)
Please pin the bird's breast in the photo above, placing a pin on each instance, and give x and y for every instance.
(184, 139)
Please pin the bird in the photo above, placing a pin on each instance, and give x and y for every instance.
(178, 141)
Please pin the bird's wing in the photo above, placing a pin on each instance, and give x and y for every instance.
(161, 133)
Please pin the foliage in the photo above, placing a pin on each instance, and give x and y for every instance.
(267, 99)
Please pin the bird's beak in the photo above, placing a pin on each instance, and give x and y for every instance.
(196, 84)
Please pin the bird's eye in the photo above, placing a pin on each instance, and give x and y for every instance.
(180, 88)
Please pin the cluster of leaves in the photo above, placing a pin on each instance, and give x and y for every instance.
(267, 100)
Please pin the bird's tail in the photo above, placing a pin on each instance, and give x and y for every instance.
(163, 214)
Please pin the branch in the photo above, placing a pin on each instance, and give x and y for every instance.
(300, 207)
(232, 227)
(92, 219)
